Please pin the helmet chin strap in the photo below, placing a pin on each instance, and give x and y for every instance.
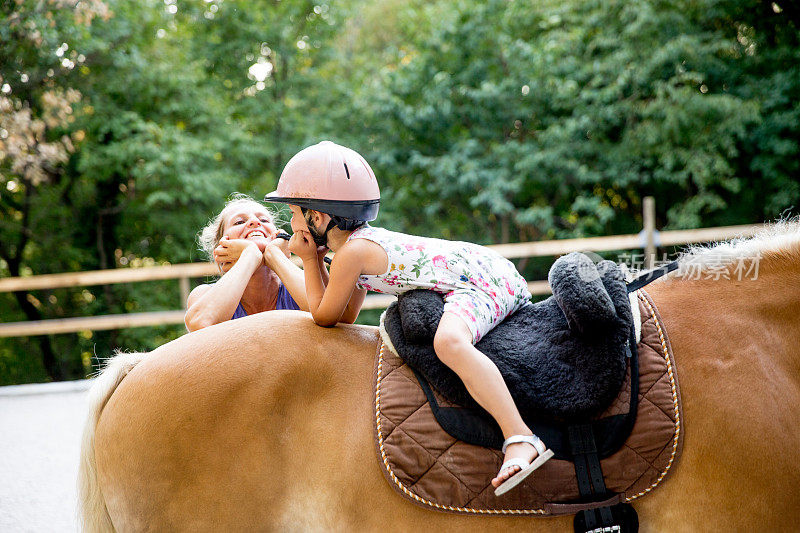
(320, 239)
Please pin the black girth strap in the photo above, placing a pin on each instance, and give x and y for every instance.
(586, 459)
(589, 474)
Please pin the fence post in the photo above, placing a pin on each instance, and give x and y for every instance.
(649, 220)
(184, 285)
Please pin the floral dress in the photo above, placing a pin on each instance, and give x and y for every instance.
(479, 285)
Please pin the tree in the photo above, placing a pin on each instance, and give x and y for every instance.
(36, 113)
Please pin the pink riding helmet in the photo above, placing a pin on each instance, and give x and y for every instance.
(331, 179)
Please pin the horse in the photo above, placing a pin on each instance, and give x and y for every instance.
(266, 423)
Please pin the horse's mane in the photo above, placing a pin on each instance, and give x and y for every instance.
(777, 240)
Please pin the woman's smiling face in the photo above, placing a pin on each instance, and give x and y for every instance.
(252, 222)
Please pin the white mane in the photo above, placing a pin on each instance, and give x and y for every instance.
(778, 239)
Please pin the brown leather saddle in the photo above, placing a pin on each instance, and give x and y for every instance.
(432, 468)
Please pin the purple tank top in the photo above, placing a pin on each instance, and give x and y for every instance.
(285, 301)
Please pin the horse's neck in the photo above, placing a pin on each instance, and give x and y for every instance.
(746, 317)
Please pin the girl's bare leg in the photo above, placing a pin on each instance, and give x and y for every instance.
(453, 345)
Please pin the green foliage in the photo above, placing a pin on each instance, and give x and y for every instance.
(124, 125)
(556, 121)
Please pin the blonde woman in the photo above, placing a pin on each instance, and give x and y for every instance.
(257, 274)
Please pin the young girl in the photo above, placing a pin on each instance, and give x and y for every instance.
(333, 193)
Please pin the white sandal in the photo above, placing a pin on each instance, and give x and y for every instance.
(526, 468)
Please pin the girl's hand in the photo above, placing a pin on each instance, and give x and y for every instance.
(302, 245)
(228, 251)
(322, 251)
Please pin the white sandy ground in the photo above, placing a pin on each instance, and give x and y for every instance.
(40, 432)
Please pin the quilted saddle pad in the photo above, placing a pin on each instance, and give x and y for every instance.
(433, 469)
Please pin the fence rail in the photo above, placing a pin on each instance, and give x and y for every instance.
(646, 241)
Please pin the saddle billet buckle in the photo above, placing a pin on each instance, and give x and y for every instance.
(607, 529)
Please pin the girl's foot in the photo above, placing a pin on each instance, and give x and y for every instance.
(521, 450)
(524, 454)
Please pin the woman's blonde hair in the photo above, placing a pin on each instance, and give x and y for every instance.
(208, 238)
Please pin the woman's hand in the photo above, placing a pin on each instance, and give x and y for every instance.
(280, 244)
(302, 245)
(211, 304)
(230, 250)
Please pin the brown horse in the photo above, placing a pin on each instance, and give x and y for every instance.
(266, 423)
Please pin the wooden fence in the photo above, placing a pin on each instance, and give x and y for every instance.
(647, 241)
